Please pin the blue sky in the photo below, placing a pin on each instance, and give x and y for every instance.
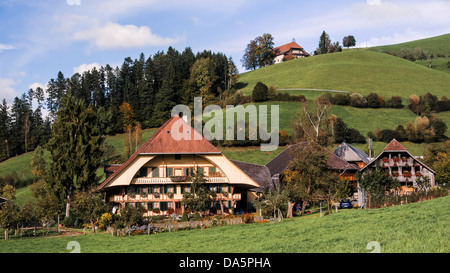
(40, 38)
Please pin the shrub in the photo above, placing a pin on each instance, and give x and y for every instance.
(260, 92)
(184, 217)
(248, 218)
(197, 216)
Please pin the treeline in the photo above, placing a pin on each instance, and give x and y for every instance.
(426, 129)
(22, 129)
(373, 100)
(428, 103)
(152, 86)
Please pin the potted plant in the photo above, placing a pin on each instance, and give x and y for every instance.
(404, 158)
(395, 159)
(418, 174)
(406, 173)
(156, 195)
(395, 173)
(385, 159)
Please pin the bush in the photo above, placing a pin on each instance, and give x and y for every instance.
(197, 216)
(184, 217)
(248, 218)
(260, 92)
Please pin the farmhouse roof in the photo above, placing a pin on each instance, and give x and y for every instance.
(285, 48)
(351, 153)
(281, 161)
(163, 142)
(259, 173)
(394, 145)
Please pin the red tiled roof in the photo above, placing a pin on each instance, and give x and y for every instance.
(162, 142)
(394, 145)
(284, 48)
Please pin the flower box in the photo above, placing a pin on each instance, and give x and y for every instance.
(179, 178)
(418, 174)
(396, 159)
(385, 159)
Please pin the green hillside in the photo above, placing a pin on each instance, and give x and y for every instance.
(439, 46)
(354, 71)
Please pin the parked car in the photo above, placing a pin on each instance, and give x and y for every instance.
(345, 204)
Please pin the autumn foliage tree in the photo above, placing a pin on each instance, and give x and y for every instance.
(132, 129)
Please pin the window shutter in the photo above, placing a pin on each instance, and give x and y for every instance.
(155, 172)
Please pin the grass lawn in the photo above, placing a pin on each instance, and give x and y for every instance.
(418, 227)
(356, 71)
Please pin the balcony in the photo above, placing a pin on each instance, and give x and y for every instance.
(175, 179)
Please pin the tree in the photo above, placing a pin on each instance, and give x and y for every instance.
(38, 164)
(260, 92)
(376, 182)
(199, 196)
(310, 173)
(314, 124)
(132, 129)
(75, 149)
(264, 50)
(250, 60)
(89, 205)
(201, 79)
(349, 41)
(259, 52)
(324, 44)
(48, 205)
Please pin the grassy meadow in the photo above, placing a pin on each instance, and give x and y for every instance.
(356, 71)
(411, 228)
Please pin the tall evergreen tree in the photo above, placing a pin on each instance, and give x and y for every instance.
(74, 148)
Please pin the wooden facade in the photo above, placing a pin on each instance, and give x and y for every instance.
(400, 164)
(157, 174)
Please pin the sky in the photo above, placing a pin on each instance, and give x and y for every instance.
(40, 38)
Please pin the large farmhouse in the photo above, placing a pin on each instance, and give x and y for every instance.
(289, 51)
(156, 175)
(399, 163)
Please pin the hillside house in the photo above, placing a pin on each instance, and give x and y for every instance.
(399, 163)
(352, 154)
(280, 163)
(288, 52)
(156, 175)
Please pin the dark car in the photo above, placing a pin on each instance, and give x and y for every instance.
(345, 204)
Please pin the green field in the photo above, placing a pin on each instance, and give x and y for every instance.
(439, 45)
(412, 228)
(362, 72)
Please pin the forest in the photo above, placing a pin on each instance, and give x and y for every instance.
(151, 86)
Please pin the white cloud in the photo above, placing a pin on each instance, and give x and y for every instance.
(112, 35)
(6, 89)
(85, 67)
(5, 47)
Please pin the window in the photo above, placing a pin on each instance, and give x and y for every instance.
(155, 172)
(200, 170)
(169, 172)
(143, 172)
(163, 206)
(212, 169)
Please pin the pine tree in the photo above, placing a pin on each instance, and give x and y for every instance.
(75, 149)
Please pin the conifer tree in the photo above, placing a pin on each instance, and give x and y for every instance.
(75, 149)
